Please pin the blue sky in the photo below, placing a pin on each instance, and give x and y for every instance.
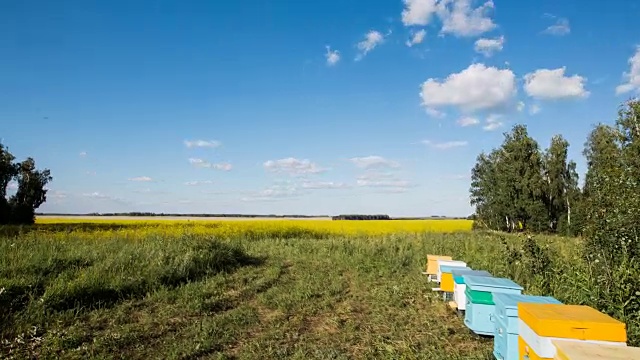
(283, 107)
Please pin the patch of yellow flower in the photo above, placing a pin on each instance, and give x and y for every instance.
(259, 228)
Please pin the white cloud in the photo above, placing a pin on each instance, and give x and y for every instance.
(384, 183)
(324, 185)
(373, 162)
(57, 194)
(371, 40)
(632, 77)
(488, 47)
(141, 179)
(435, 113)
(374, 175)
(333, 56)
(196, 183)
(205, 164)
(444, 145)
(91, 173)
(474, 88)
(83, 154)
(553, 84)
(461, 19)
(274, 192)
(418, 12)
(12, 185)
(520, 107)
(293, 166)
(417, 38)
(493, 122)
(95, 195)
(468, 121)
(561, 27)
(534, 109)
(202, 143)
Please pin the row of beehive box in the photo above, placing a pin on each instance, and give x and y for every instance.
(527, 327)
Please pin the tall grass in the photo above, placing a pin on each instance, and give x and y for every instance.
(194, 291)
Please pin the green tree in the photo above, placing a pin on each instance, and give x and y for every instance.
(31, 193)
(561, 184)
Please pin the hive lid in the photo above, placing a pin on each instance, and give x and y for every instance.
(571, 321)
(510, 301)
(463, 271)
(490, 282)
(451, 263)
(438, 257)
(450, 268)
(578, 350)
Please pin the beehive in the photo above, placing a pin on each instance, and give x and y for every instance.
(459, 286)
(480, 307)
(505, 320)
(446, 283)
(432, 265)
(579, 350)
(539, 324)
(441, 263)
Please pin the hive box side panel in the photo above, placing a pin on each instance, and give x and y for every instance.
(570, 350)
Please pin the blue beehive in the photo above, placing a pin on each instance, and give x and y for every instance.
(479, 305)
(459, 286)
(505, 343)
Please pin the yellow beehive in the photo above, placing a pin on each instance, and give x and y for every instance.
(572, 350)
(432, 263)
(539, 324)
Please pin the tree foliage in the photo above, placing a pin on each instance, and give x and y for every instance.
(519, 187)
(31, 191)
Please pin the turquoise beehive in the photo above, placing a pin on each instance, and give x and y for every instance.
(505, 342)
(459, 286)
(480, 307)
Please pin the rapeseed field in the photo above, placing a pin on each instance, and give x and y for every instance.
(263, 228)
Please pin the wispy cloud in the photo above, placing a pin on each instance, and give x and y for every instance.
(333, 56)
(373, 162)
(202, 143)
(371, 40)
(468, 121)
(293, 166)
(493, 122)
(417, 38)
(199, 182)
(205, 164)
(445, 145)
(488, 47)
(319, 185)
(83, 154)
(12, 185)
(534, 109)
(141, 179)
(273, 193)
(560, 28)
(632, 77)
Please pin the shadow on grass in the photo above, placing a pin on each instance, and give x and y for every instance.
(79, 285)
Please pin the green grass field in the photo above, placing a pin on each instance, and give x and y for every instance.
(130, 294)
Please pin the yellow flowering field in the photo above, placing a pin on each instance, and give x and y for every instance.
(262, 228)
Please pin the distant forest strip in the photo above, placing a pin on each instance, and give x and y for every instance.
(339, 217)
